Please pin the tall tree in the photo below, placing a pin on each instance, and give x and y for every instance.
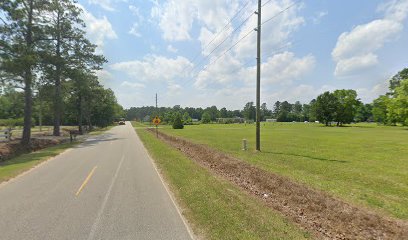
(20, 32)
(380, 109)
(223, 113)
(395, 81)
(297, 111)
(398, 106)
(265, 111)
(283, 114)
(80, 69)
(206, 118)
(364, 113)
(276, 109)
(306, 110)
(249, 111)
(63, 32)
(325, 107)
(347, 103)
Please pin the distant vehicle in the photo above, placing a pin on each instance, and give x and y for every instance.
(122, 121)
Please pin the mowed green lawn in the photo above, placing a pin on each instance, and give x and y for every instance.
(364, 164)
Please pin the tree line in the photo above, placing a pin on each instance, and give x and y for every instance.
(338, 107)
(46, 56)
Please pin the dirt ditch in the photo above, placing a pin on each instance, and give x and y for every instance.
(14, 148)
(321, 214)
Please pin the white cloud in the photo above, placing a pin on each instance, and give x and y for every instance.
(98, 29)
(105, 4)
(275, 33)
(173, 89)
(155, 68)
(319, 16)
(135, 30)
(353, 65)
(224, 71)
(136, 12)
(172, 49)
(104, 76)
(367, 95)
(395, 9)
(134, 85)
(356, 50)
(175, 18)
(281, 68)
(285, 67)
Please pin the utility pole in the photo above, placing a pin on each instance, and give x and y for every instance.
(258, 79)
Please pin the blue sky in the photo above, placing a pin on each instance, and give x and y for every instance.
(170, 47)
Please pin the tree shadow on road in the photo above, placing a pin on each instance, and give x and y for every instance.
(98, 139)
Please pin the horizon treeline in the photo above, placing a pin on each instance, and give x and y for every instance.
(339, 107)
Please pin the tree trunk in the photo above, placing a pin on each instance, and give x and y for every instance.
(57, 106)
(58, 97)
(28, 108)
(80, 108)
(28, 80)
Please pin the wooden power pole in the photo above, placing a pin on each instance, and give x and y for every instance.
(258, 79)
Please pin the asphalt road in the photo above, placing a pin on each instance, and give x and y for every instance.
(106, 188)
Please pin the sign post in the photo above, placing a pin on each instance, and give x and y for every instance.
(156, 121)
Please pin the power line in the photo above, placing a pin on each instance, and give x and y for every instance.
(221, 55)
(223, 41)
(249, 62)
(279, 13)
(237, 42)
(227, 26)
(266, 3)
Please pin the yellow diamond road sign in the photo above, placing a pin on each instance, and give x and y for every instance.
(156, 120)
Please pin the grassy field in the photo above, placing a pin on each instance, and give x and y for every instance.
(216, 209)
(364, 164)
(24, 162)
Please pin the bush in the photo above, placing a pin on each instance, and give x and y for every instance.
(19, 122)
(205, 118)
(177, 122)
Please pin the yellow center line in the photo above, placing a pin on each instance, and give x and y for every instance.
(86, 181)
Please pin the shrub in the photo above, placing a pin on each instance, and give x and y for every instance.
(206, 118)
(18, 122)
(177, 122)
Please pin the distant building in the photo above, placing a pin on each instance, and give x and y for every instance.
(194, 120)
(230, 120)
(271, 120)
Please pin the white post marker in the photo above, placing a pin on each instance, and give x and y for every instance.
(244, 145)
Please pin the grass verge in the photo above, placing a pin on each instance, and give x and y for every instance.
(216, 208)
(24, 162)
